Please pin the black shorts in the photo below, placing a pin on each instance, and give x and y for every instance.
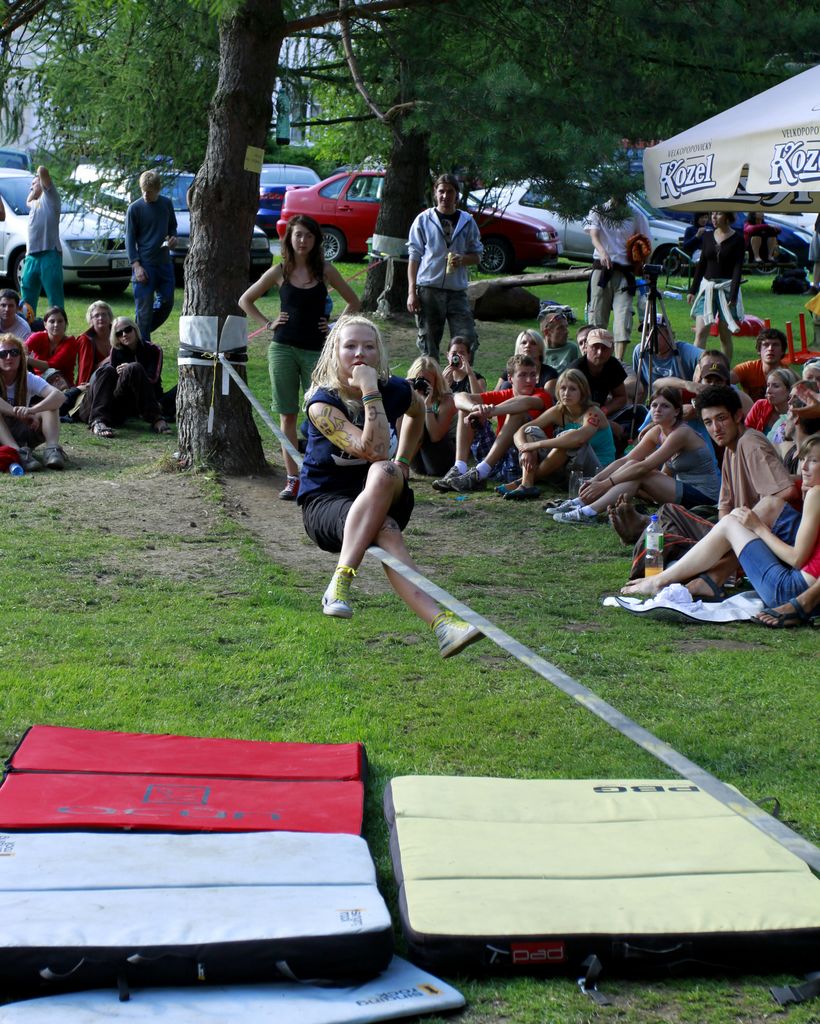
(324, 516)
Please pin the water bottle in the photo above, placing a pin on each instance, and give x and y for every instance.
(15, 469)
(653, 556)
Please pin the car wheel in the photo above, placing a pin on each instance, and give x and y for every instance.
(114, 287)
(16, 270)
(334, 244)
(498, 256)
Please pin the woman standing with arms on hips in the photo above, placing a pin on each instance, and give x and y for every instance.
(300, 329)
(353, 489)
(716, 285)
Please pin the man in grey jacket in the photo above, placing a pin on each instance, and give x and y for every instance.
(443, 242)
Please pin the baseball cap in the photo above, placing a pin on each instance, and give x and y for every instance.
(713, 369)
(601, 336)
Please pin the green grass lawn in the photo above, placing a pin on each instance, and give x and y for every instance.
(135, 601)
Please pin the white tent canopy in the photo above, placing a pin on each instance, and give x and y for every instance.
(763, 154)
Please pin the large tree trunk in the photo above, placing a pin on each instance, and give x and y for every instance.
(224, 202)
(403, 196)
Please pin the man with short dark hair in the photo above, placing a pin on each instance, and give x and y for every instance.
(513, 411)
(43, 266)
(752, 375)
(150, 236)
(10, 320)
(443, 242)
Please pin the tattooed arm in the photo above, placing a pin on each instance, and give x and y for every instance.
(371, 442)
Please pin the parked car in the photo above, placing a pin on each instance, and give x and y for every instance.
(117, 193)
(275, 180)
(93, 243)
(19, 159)
(175, 186)
(347, 205)
(526, 198)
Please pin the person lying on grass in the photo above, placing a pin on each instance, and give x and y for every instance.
(670, 463)
(353, 488)
(574, 434)
(513, 406)
(778, 571)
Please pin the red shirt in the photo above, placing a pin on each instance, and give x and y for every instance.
(64, 358)
(505, 394)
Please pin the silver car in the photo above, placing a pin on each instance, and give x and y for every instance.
(93, 244)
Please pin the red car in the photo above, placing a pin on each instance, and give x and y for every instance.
(347, 205)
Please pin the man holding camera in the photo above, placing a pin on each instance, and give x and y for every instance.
(443, 242)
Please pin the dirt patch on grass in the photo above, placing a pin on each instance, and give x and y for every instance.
(694, 646)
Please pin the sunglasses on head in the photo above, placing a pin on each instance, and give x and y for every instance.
(124, 330)
(9, 353)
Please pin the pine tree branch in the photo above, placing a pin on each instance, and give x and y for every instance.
(354, 10)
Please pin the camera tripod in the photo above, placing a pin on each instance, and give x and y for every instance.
(649, 337)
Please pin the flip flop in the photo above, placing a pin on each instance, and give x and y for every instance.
(784, 620)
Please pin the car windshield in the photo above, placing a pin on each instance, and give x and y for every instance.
(14, 192)
(176, 189)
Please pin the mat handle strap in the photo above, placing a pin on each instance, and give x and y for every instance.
(123, 988)
(588, 983)
(785, 994)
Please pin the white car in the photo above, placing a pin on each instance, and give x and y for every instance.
(93, 244)
(577, 245)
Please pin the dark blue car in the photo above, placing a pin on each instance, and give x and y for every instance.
(275, 180)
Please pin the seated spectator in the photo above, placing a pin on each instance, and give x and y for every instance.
(811, 368)
(10, 320)
(581, 337)
(769, 414)
(53, 347)
(129, 385)
(573, 435)
(671, 463)
(531, 343)
(760, 238)
(560, 350)
(778, 570)
(513, 406)
(95, 343)
(437, 449)
(802, 422)
(28, 409)
(753, 374)
(674, 359)
(459, 374)
(800, 611)
(606, 376)
(72, 396)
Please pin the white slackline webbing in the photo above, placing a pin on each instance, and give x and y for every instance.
(709, 783)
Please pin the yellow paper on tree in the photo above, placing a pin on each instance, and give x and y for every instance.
(253, 159)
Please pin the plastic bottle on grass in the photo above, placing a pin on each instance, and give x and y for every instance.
(653, 556)
(15, 469)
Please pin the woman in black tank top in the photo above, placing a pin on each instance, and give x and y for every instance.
(302, 279)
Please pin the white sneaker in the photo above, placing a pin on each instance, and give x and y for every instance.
(575, 515)
(566, 506)
(336, 599)
(453, 634)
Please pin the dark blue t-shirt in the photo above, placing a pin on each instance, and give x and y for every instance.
(329, 470)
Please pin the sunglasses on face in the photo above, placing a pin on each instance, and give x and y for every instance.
(124, 330)
(9, 353)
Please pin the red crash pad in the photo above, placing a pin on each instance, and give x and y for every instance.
(61, 778)
(50, 748)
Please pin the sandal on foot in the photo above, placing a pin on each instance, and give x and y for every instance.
(718, 592)
(160, 427)
(523, 494)
(101, 429)
(784, 620)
